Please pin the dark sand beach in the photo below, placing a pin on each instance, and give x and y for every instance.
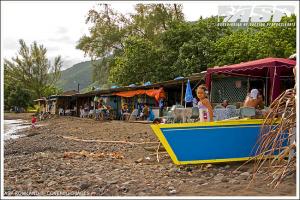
(65, 156)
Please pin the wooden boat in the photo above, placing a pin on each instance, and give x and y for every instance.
(209, 142)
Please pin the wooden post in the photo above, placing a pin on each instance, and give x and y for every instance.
(77, 109)
(181, 102)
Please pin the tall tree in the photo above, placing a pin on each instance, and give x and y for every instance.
(255, 43)
(137, 64)
(32, 69)
(112, 31)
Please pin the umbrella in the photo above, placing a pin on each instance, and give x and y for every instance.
(188, 93)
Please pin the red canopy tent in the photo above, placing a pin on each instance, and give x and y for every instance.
(271, 68)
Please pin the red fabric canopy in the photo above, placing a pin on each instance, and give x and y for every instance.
(267, 67)
(255, 64)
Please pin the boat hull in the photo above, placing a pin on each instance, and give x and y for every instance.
(209, 142)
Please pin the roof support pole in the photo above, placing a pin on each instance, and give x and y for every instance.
(181, 100)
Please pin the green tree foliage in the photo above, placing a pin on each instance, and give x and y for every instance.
(112, 31)
(138, 64)
(32, 71)
(189, 45)
(16, 95)
(256, 43)
(155, 43)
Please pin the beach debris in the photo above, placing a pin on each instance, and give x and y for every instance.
(51, 183)
(139, 160)
(208, 166)
(173, 192)
(84, 185)
(157, 156)
(83, 153)
(154, 148)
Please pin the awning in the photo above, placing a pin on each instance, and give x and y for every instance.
(156, 93)
(271, 68)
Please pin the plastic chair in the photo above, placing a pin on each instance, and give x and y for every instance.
(231, 111)
(134, 115)
(231, 107)
(247, 112)
(178, 114)
(195, 114)
(169, 117)
(218, 107)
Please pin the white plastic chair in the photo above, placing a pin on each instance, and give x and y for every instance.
(134, 115)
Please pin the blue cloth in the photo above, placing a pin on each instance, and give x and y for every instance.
(188, 93)
(195, 102)
(147, 83)
(161, 103)
(151, 115)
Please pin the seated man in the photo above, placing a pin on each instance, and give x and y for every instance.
(254, 99)
(61, 111)
(82, 113)
(225, 103)
(68, 112)
(125, 112)
(101, 109)
(145, 112)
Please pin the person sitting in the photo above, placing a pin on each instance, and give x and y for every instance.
(81, 110)
(86, 110)
(145, 112)
(225, 103)
(74, 111)
(204, 102)
(101, 110)
(68, 111)
(125, 112)
(91, 113)
(61, 111)
(108, 112)
(254, 99)
(159, 121)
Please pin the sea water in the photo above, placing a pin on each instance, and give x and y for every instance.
(12, 128)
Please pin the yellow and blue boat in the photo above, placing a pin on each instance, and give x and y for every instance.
(210, 142)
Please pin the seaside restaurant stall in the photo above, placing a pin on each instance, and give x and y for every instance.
(172, 91)
(233, 139)
(41, 103)
(66, 100)
(270, 75)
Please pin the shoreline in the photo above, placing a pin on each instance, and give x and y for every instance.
(48, 161)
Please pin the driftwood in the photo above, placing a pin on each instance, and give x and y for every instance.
(109, 141)
(154, 148)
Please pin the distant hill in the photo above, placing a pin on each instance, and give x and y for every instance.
(80, 73)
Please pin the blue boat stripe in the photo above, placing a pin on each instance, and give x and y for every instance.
(210, 128)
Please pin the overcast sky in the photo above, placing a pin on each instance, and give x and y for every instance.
(59, 25)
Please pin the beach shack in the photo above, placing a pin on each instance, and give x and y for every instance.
(41, 104)
(270, 75)
(171, 91)
(66, 100)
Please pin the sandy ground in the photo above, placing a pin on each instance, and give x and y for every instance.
(48, 161)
